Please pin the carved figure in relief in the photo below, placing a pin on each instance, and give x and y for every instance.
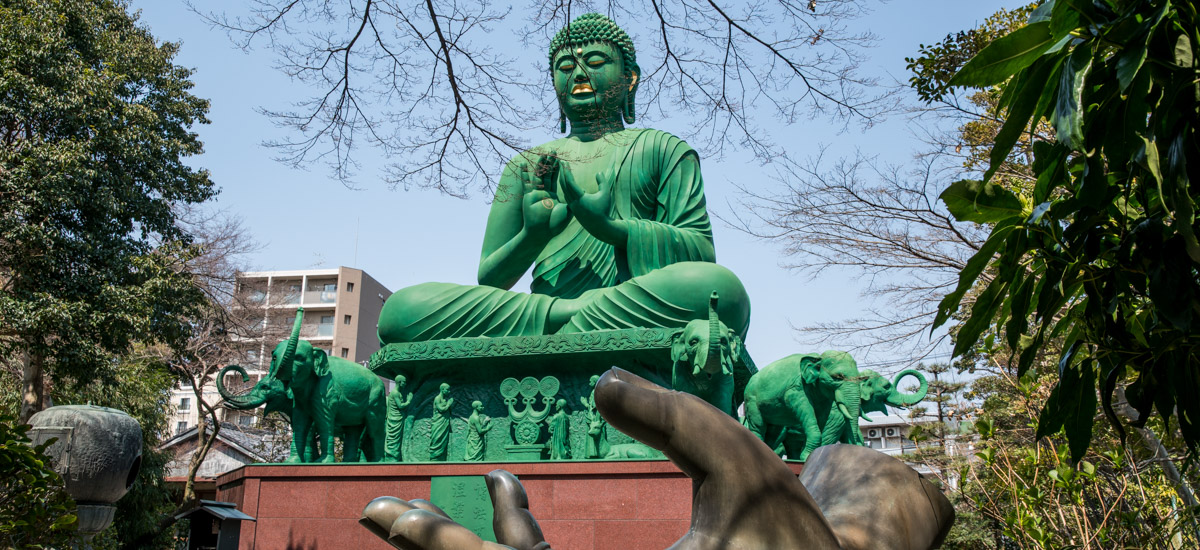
(439, 425)
(596, 445)
(612, 220)
(557, 425)
(397, 402)
(743, 496)
(478, 426)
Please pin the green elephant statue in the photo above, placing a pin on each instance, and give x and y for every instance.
(704, 355)
(331, 396)
(817, 394)
(273, 396)
(878, 393)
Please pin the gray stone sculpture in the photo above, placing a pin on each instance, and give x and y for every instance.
(98, 453)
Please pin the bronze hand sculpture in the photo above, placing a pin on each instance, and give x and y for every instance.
(744, 496)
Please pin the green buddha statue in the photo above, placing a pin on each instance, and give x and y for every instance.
(612, 220)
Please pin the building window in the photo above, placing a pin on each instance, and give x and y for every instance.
(346, 320)
(245, 420)
(330, 287)
(349, 287)
(180, 427)
(345, 353)
(185, 404)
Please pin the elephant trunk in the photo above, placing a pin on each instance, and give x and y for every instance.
(849, 401)
(282, 365)
(711, 358)
(898, 398)
(238, 402)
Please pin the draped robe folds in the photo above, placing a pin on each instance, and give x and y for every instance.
(559, 446)
(439, 428)
(478, 426)
(661, 277)
(394, 431)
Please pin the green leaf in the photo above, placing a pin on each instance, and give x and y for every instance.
(1063, 21)
(983, 312)
(1128, 63)
(1080, 410)
(1005, 56)
(1049, 163)
(970, 272)
(1041, 13)
(975, 201)
(1025, 100)
(1068, 109)
(1183, 51)
(1019, 309)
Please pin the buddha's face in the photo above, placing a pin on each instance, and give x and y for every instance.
(590, 81)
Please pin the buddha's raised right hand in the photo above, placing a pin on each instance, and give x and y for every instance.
(543, 215)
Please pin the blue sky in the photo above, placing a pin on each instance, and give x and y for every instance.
(305, 219)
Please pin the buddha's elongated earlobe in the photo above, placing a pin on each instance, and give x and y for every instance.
(562, 121)
(627, 112)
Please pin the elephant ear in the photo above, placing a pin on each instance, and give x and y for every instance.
(735, 347)
(731, 355)
(320, 362)
(678, 347)
(810, 369)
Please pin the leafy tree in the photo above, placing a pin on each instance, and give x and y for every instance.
(94, 120)
(1102, 251)
(35, 511)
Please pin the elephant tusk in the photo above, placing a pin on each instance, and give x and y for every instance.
(845, 411)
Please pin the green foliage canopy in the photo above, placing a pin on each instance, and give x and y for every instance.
(94, 127)
(1103, 251)
(35, 510)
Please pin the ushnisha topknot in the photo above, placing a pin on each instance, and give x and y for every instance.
(591, 27)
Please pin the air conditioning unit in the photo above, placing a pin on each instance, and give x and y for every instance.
(872, 433)
(891, 432)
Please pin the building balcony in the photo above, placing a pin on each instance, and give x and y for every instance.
(319, 331)
(320, 297)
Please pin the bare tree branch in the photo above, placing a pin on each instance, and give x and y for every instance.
(421, 82)
(883, 225)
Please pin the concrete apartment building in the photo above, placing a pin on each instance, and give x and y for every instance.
(341, 316)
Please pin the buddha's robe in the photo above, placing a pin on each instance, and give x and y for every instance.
(661, 277)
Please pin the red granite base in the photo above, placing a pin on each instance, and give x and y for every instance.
(628, 505)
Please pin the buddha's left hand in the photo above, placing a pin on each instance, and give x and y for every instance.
(593, 210)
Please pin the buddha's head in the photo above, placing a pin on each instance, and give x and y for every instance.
(595, 72)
